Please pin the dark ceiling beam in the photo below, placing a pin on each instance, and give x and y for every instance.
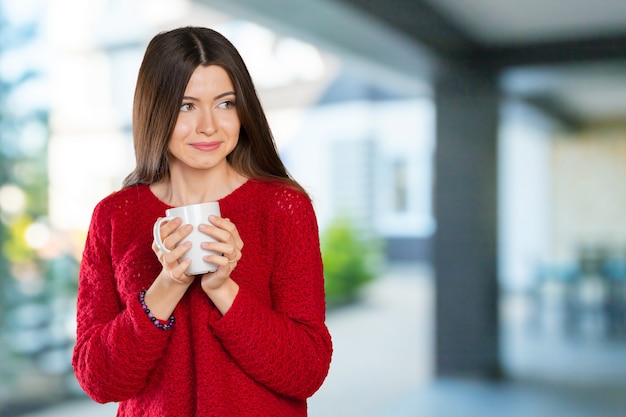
(553, 53)
(421, 22)
(429, 28)
(559, 111)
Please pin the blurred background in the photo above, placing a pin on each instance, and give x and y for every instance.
(466, 160)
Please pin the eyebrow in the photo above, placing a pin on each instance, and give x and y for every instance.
(217, 97)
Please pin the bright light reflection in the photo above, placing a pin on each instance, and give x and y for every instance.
(22, 11)
(37, 235)
(274, 61)
(12, 199)
(303, 60)
(163, 11)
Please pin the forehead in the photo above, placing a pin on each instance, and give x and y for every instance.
(209, 79)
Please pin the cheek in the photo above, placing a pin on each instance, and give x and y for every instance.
(181, 131)
(233, 126)
(235, 131)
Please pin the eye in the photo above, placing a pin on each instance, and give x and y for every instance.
(228, 104)
(186, 107)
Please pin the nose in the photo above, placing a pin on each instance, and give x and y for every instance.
(206, 123)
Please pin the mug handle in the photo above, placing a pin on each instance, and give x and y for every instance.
(156, 231)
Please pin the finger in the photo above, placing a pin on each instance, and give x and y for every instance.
(221, 248)
(159, 253)
(223, 230)
(177, 253)
(176, 236)
(235, 234)
(178, 273)
(166, 228)
(224, 224)
(216, 228)
(222, 261)
(233, 258)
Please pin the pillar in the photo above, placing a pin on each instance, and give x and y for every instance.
(465, 243)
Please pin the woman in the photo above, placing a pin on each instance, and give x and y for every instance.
(246, 340)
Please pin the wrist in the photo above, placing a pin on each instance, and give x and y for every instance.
(163, 296)
(160, 323)
(223, 296)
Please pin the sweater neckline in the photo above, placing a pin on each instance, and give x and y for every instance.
(226, 197)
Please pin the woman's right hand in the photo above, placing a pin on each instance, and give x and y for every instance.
(174, 266)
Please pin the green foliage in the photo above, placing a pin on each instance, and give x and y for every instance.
(350, 259)
(15, 248)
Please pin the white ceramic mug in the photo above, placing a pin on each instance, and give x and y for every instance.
(194, 215)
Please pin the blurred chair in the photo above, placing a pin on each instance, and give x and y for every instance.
(614, 271)
(591, 292)
(556, 298)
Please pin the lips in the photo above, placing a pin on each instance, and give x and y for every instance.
(206, 146)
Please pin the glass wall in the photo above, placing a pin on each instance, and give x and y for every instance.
(562, 251)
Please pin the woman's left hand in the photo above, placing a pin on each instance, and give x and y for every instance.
(228, 244)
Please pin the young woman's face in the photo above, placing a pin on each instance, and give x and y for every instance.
(207, 128)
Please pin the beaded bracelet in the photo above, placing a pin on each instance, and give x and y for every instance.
(157, 323)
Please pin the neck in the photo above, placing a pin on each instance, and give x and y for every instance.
(186, 187)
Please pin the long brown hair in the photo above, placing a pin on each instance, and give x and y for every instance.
(170, 59)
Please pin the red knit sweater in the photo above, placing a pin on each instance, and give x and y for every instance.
(264, 357)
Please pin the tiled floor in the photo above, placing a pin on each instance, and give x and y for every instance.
(382, 366)
(458, 398)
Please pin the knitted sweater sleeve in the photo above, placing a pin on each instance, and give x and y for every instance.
(112, 360)
(285, 347)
